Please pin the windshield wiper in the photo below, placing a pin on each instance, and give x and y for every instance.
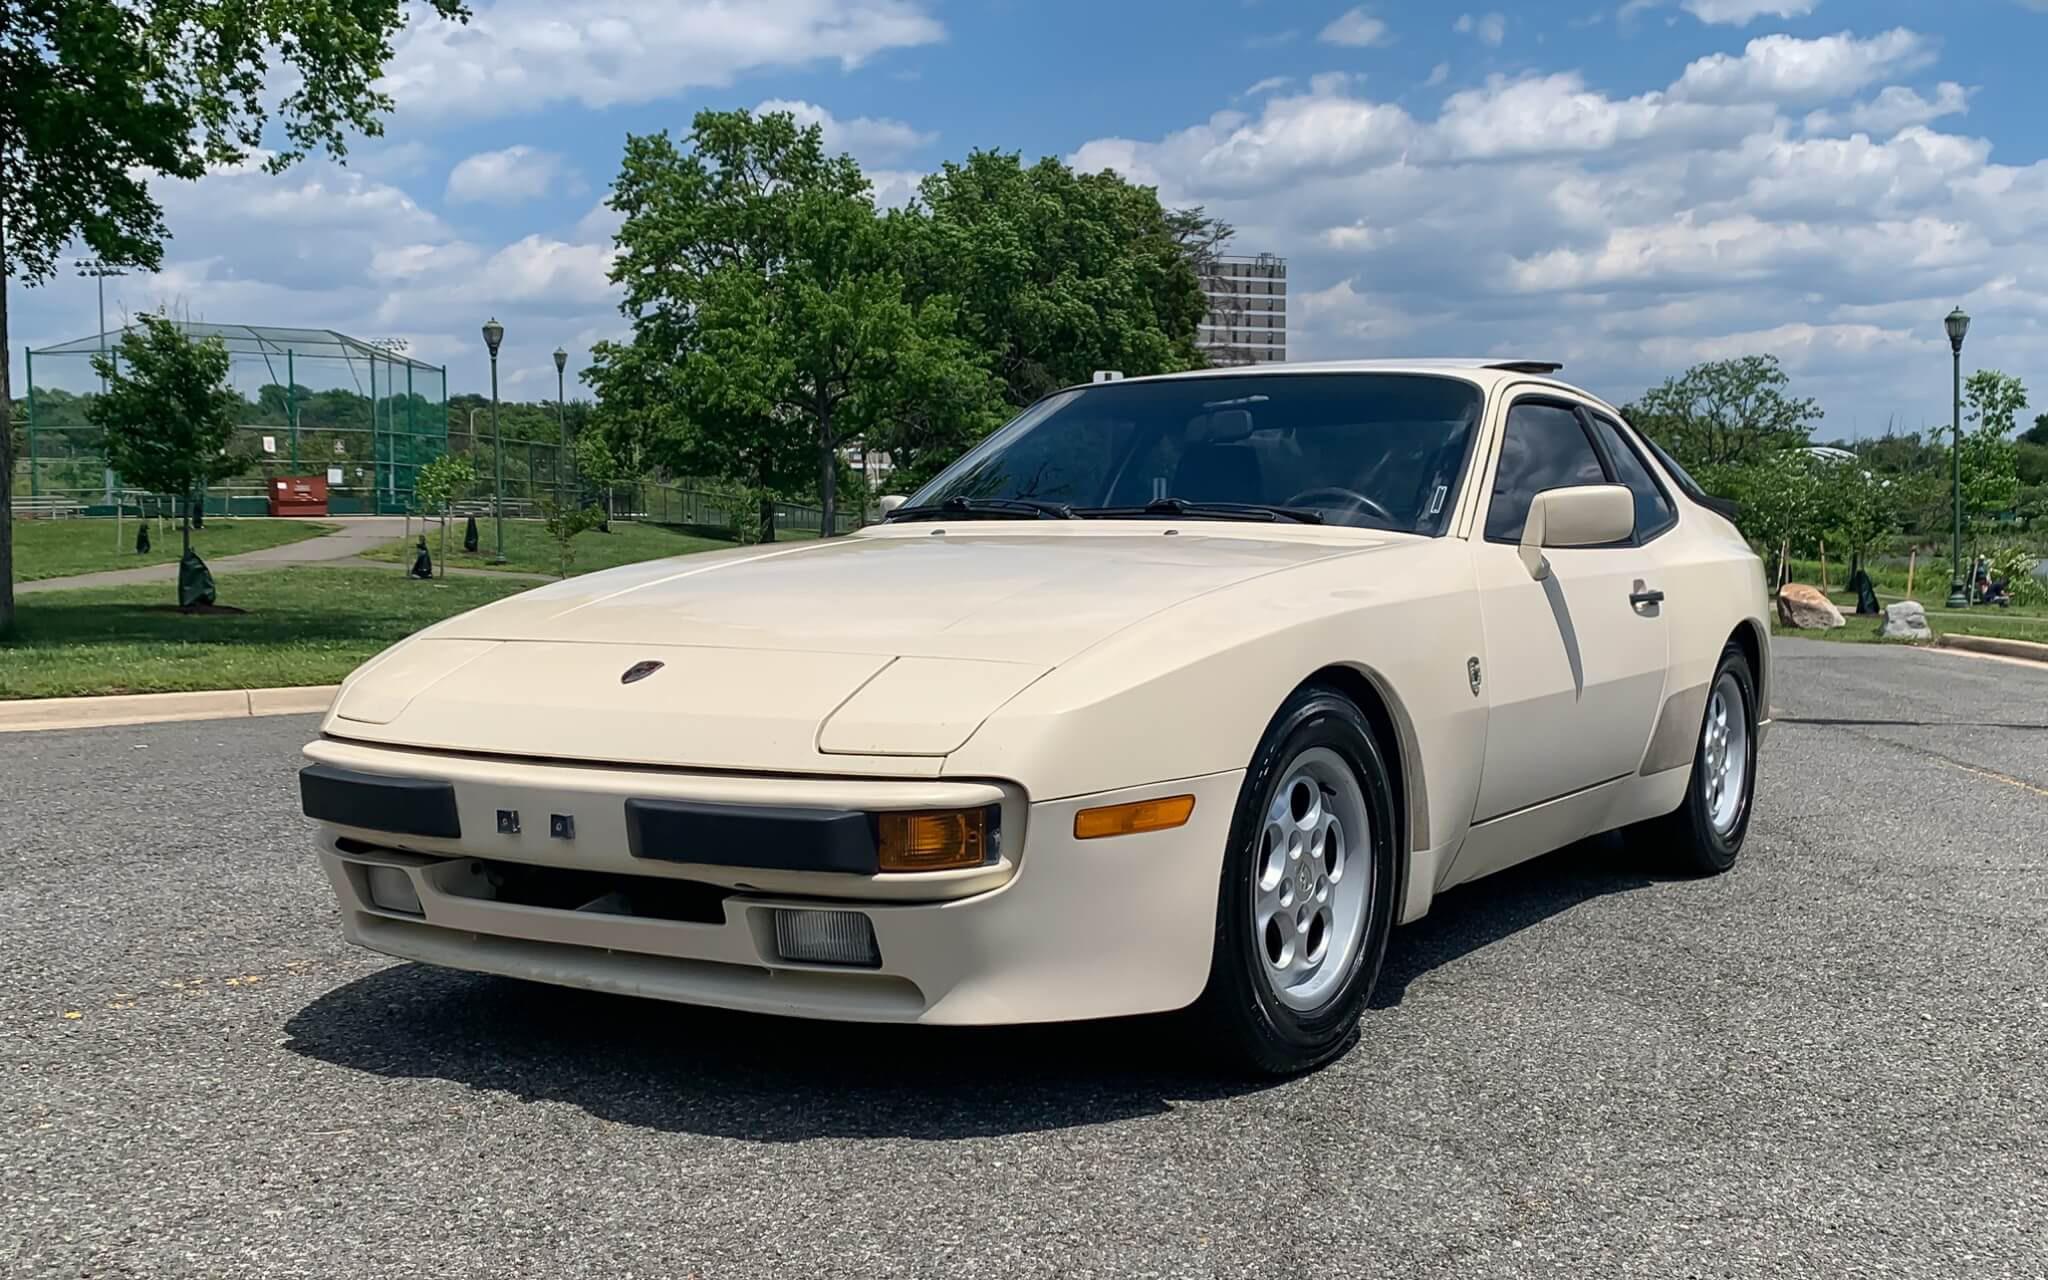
(993, 508)
(1205, 511)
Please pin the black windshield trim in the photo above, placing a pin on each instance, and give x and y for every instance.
(1460, 474)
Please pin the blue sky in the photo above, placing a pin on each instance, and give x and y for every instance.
(1628, 185)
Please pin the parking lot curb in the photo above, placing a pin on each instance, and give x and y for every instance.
(2025, 649)
(30, 714)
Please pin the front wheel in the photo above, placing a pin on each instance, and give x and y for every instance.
(1307, 895)
(1704, 835)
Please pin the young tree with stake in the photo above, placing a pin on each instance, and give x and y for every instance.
(167, 412)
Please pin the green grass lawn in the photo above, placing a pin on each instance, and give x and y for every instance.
(529, 549)
(60, 548)
(303, 626)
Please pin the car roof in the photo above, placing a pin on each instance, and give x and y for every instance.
(1487, 371)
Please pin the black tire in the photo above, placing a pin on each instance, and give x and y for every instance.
(1239, 1017)
(1687, 839)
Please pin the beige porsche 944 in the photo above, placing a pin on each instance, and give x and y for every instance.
(1177, 691)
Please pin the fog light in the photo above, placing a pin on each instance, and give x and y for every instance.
(391, 890)
(826, 937)
(948, 840)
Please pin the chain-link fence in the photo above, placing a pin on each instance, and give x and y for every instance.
(313, 403)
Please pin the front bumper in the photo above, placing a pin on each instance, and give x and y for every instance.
(1055, 929)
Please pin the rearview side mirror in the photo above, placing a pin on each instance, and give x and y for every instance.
(1582, 515)
(891, 501)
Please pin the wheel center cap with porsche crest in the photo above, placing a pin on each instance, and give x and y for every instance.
(640, 671)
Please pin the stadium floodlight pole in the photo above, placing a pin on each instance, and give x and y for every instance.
(494, 333)
(1957, 324)
(561, 431)
(99, 271)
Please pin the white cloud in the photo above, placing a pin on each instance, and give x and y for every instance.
(518, 56)
(1270, 84)
(867, 138)
(1894, 108)
(895, 188)
(600, 224)
(1782, 68)
(1437, 75)
(1739, 13)
(1490, 28)
(509, 176)
(1630, 235)
(1357, 28)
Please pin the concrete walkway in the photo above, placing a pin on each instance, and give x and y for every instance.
(341, 548)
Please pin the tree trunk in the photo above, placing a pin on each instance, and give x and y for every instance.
(764, 526)
(185, 525)
(6, 457)
(828, 477)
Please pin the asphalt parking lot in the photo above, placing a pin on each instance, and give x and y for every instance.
(1831, 1062)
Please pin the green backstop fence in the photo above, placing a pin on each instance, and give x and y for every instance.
(314, 402)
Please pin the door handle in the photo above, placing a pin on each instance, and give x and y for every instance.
(1644, 595)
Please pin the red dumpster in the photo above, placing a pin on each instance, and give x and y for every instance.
(298, 496)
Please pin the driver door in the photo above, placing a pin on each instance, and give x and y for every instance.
(1574, 663)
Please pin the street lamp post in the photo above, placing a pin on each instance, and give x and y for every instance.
(561, 432)
(494, 333)
(1957, 324)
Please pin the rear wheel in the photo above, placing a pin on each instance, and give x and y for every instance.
(1704, 834)
(1307, 897)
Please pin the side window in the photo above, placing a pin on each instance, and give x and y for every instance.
(1653, 509)
(1544, 447)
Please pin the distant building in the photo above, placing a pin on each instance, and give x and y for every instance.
(1247, 320)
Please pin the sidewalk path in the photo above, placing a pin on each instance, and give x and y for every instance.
(352, 536)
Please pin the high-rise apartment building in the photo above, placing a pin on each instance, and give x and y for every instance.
(1247, 320)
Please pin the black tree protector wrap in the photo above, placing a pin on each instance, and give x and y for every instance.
(379, 801)
(762, 837)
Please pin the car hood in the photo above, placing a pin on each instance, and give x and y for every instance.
(888, 644)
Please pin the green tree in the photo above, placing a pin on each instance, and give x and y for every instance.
(598, 464)
(438, 484)
(100, 97)
(1726, 413)
(1782, 503)
(563, 522)
(1060, 273)
(1990, 460)
(1858, 506)
(2038, 433)
(771, 323)
(168, 412)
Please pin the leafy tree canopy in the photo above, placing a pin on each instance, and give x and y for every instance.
(1060, 273)
(771, 322)
(1726, 412)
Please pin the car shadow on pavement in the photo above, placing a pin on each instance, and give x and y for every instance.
(1466, 919)
(676, 1068)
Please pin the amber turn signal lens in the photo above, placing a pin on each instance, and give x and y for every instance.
(945, 841)
(1129, 819)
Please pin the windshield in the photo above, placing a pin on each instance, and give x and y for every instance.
(1376, 450)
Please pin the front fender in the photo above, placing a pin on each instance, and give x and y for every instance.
(1189, 690)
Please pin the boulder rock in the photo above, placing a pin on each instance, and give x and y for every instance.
(1906, 620)
(1806, 608)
